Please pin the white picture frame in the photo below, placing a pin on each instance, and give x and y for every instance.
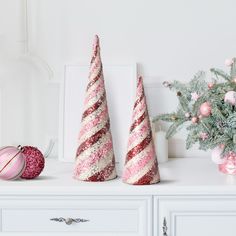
(120, 82)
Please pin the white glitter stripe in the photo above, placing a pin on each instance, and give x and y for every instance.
(97, 167)
(141, 173)
(138, 157)
(140, 138)
(94, 130)
(94, 99)
(92, 87)
(94, 148)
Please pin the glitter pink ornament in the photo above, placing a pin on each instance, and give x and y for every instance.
(205, 109)
(34, 162)
(12, 163)
(230, 97)
(141, 167)
(95, 161)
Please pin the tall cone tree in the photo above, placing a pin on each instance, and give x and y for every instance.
(141, 167)
(95, 159)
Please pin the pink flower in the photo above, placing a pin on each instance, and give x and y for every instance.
(204, 136)
(194, 96)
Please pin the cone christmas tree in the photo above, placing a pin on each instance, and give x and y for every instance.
(95, 159)
(141, 165)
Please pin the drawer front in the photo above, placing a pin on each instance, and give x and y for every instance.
(195, 216)
(110, 216)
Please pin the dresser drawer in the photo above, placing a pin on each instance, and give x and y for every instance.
(199, 215)
(104, 215)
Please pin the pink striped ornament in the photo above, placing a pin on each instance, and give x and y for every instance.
(141, 167)
(95, 159)
(12, 163)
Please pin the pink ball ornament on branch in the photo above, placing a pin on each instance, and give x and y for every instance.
(230, 97)
(205, 109)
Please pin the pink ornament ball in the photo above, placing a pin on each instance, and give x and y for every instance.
(194, 120)
(216, 154)
(230, 97)
(12, 163)
(205, 109)
(210, 85)
(34, 162)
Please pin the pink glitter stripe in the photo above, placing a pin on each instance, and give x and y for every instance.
(129, 172)
(94, 92)
(136, 135)
(93, 122)
(92, 159)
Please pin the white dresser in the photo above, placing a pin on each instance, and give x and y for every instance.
(193, 198)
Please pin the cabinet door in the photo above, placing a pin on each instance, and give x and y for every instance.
(195, 216)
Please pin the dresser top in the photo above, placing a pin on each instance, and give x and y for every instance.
(178, 176)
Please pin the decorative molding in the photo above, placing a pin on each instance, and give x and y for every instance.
(29, 56)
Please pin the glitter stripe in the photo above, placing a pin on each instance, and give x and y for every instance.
(138, 121)
(147, 178)
(133, 161)
(93, 139)
(138, 100)
(90, 117)
(93, 158)
(137, 149)
(95, 106)
(137, 136)
(140, 164)
(139, 109)
(96, 146)
(97, 77)
(91, 124)
(94, 92)
(103, 174)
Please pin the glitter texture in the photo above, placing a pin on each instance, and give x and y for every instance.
(141, 167)
(34, 162)
(95, 159)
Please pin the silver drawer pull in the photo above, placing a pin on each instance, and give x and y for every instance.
(69, 221)
(164, 227)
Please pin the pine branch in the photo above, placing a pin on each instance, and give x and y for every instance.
(165, 117)
(220, 73)
(174, 128)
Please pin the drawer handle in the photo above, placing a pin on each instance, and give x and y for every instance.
(164, 227)
(69, 221)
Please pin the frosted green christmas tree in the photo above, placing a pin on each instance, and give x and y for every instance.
(206, 109)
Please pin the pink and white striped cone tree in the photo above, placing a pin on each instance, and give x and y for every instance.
(141, 167)
(95, 159)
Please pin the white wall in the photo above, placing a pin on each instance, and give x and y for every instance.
(168, 39)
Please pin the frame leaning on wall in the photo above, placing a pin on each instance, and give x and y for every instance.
(120, 81)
